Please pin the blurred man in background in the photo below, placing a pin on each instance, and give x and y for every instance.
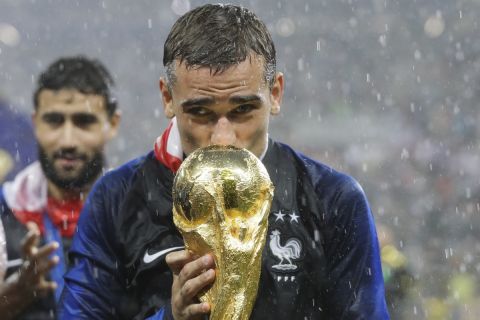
(75, 116)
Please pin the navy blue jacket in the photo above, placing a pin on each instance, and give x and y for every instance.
(129, 214)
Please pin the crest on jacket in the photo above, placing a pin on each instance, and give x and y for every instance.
(286, 253)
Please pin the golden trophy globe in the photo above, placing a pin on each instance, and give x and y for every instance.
(221, 202)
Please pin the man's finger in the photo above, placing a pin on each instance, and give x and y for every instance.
(196, 267)
(193, 286)
(44, 266)
(177, 259)
(31, 239)
(45, 285)
(35, 270)
(46, 250)
(197, 309)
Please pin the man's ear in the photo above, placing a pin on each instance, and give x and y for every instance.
(114, 124)
(276, 94)
(35, 119)
(166, 98)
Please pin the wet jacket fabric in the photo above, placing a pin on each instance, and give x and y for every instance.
(126, 228)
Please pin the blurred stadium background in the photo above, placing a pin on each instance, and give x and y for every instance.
(384, 90)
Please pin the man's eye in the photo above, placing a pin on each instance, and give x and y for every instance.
(244, 108)
(53, 119)
(198, 111)
(84, 120)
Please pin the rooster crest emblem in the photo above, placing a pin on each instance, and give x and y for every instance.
(291, 250)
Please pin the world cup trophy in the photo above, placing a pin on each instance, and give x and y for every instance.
(221, 200)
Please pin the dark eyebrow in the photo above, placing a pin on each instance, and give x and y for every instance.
(197, 102)
(244, 99)
(209, 101)
(50, 114)
(84, 116)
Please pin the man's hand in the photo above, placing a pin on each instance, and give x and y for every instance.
(190, 276)
(22, 287)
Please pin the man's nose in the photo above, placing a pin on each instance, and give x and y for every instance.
(67, 137)
(223, 133)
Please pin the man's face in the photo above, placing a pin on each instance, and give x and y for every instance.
(228, 108)
(72, 129)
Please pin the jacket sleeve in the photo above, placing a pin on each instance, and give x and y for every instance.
(93, 286)
(355, 282)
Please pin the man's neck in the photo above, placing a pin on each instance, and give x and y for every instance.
(58, 193)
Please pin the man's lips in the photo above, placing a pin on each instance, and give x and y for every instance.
(69, 162)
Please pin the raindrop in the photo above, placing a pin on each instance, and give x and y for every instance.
(364, 167)
(434, 26)
(417, 55)
(383, 40)
(9, 35)
(179, 7)
(285, 27)
(300, 64)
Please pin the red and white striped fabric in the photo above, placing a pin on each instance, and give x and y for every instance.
(168, 147)
(27, 197)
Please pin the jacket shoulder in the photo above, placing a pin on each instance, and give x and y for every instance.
(320, 175)
(123, 174)
(107, 194)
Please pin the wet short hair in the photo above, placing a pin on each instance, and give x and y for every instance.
(88, 76)
(218, 36)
